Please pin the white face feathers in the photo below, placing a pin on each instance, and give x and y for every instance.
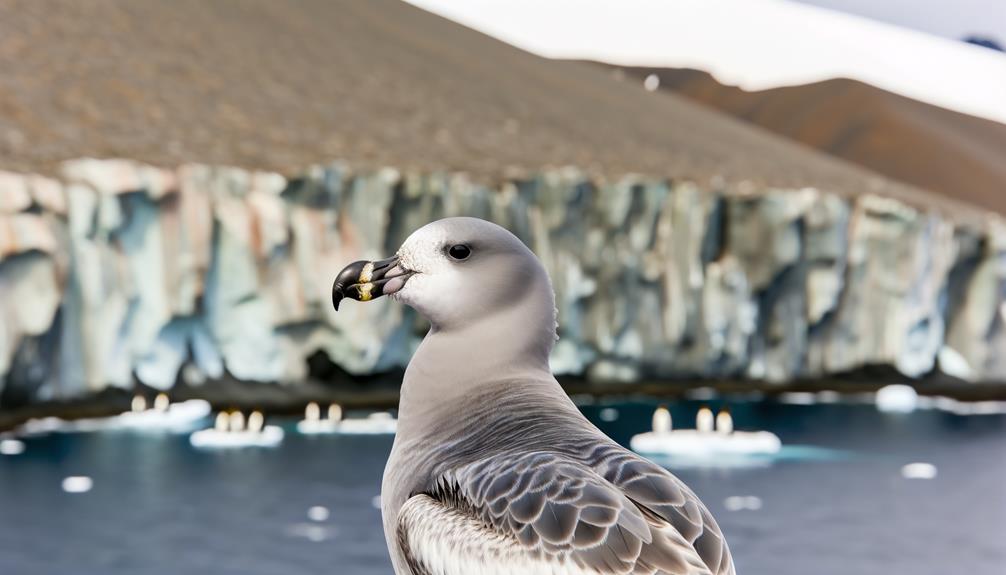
(472, 280)
(468, 271)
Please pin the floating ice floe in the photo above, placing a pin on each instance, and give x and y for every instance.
(972, 407)
(608, 414)
(798, 398)
(704, 442)
(904, 399)
(163, 417)
(376, 423)
(179, 417)
(46, 425)
(11, 447)
(230, 432)
(313, 424)
(318, 513)
(897, 398)
(919, 471)
(77, 484)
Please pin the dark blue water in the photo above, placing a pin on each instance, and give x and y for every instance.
(839, 507)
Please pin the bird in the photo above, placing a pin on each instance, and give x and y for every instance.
(493, 469)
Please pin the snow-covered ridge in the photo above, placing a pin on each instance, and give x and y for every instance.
(754, 44)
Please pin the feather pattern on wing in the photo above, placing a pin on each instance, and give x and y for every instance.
(542, 512)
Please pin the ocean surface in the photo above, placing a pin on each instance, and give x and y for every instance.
(835, 502)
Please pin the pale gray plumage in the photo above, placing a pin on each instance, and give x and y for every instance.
(494, 470)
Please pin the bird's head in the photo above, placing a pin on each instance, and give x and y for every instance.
(459, 273)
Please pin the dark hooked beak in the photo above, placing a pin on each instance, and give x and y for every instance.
(364, 280)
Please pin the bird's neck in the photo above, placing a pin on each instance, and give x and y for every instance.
(510, 345)
(450, 362)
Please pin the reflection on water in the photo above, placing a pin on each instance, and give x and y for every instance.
(834, 501)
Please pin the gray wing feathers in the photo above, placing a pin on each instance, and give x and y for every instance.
(666, 498)
(551, 510)
(555, 506)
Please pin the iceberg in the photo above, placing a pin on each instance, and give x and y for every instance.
(704, 442)
(230, 432)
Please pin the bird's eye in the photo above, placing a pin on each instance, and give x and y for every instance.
(459, 252)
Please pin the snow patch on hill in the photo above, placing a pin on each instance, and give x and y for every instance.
(754, 44)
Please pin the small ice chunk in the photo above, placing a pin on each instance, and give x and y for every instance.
(919, 471)
(11, 447)
(318, 513)
(77, 484)
(897, 399)
(608, 414)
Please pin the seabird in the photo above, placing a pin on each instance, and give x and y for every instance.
(704, 420)
(494, 470)
(724, 422)
(334, 413)
(661, 420)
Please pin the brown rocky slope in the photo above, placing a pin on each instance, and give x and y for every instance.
(270, 84)
(956, 155)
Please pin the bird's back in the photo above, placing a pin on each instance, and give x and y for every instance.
(515, 466)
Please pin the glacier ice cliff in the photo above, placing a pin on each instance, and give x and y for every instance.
(116, 272)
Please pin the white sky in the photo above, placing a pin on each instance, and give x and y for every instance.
(948, 18)
(755, 44)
